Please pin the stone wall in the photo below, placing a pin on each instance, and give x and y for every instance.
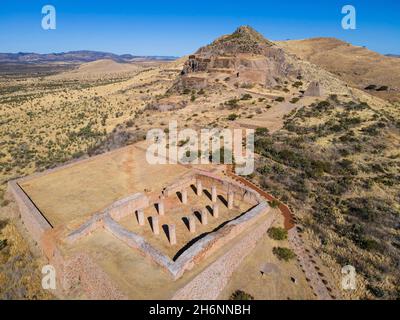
(128, 205)
(209, 284)
(242, 192)
(184, 182)
(209, 244)
(32, 218)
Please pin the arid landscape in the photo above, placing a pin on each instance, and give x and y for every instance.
(326, 116)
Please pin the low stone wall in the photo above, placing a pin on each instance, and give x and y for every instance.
(206, 246)
(209, 284)
(32, 218)
(87, 228)
(242, 192)
(128, 205)
(200, 250)
(184, 182)
(137, 242)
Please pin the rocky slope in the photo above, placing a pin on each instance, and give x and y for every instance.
(250, 59)
(358, 66)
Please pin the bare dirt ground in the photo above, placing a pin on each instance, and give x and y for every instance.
(84, 188)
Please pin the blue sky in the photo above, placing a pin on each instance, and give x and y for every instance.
(180, 27)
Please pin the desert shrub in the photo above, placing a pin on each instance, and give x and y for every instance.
(130, 123)
(262, 131)
(233, 103)
(201, 91)
(368, 244)
(370, 87)
(297, 84)
(247, 85)
(246, 96)
(285, 254)
(232, 117)
(193, 98)
(377, 292)
(241, 295)
(278, 233)
(274, 203)
(280, 99)
(264, 170)
(294, 100)
(186, 91)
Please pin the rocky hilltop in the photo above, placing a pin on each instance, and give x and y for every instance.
(246, 58)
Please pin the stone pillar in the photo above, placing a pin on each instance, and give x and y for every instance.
(214, 194)
(172, 234)
(215, 210)
(184, 195)
(156, 227)
(192, 223)
(199, 188)
(204, 220)
(230, 200)
(160, 207)
(140, 217)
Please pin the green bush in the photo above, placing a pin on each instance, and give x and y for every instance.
(280, 99)
(232, 117)
(274, 203)
(278, 233)
(246, 96)
(285, 254)
(262, 131)
(241, 295)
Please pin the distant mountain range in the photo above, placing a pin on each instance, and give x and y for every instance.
(73, 57)
(393, 55)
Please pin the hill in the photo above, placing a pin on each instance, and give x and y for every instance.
(72, 57)
(358, 66)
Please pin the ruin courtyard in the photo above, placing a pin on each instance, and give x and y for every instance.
(118, 227)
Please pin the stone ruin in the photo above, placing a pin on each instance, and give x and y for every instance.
(314, 90)
(80, 269)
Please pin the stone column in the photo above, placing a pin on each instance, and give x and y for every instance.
(230, 200)
(204, 220)
(160, 207)
(214, 194)
(192, 223)
(140, 217)
(215, 210)
(156, 227)
(184, 195)
(172, 234)
(199, 188)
